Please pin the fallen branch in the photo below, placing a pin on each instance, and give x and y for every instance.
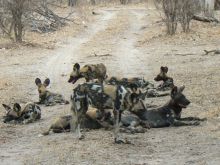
(205, 19)
(102, 55)
(212, 51)
(186, 54)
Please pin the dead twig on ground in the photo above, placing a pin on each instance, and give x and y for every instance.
(212, 51)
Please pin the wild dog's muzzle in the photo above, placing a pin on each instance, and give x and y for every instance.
(73, 79)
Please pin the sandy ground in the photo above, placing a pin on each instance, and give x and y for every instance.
(135, 39)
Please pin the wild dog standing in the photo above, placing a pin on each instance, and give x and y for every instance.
(30, 113)
(167, 81)
(101, 96)
(170, 113)
(46, 97)
(89, 72)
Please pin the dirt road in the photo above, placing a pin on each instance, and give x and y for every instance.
(125, 36)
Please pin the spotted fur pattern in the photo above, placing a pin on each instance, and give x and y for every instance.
(134, 84)
(129, 82)
(89, 72)
(30, 113)
(101, 96)
(46, 97)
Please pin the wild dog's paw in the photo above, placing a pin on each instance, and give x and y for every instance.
(122, 141)
(81, 137)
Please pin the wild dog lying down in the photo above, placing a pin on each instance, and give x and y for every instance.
(129, 82)
(130, 122)
(62, 124)
(46, 97)
(170, 113)
(167, 83)
(89, 72)
(135, 83)
(28, 114)
(101, 97)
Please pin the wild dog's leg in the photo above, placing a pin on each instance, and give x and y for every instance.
(192, 119)
(75, 124)
(74, 121)
(178, 123)
(116, 131)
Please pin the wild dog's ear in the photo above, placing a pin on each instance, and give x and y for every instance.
(7, 108)
(165, 69)
(17, 107)
(174, 91)
(180, 89)
(134, 97)
(141, 95)
(46, 82)
(89, 68)
(37, 81)
(133, 87)
(76, 66)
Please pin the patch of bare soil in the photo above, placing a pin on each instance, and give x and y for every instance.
(137, 46)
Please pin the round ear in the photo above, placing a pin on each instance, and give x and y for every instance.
(7, 108)
(133, 87)
(174, 91)
(46, 82)
(76, 66)
(37, 81)
(89, 68)
(181, 88)
(133, 97)
(165, 69)
(17, 107)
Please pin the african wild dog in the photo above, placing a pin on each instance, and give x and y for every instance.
(89, 72)
(129, 82)
(134, 83)
(101, 97)
(30, 113)
(62, 124)
(170, 113)
(46, 97)
(167, 83)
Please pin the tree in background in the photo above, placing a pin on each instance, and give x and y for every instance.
(12, 12)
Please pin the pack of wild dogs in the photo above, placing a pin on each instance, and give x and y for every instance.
(107, 102)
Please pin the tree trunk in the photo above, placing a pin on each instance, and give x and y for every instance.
(72, 2)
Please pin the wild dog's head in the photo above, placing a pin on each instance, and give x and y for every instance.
(178, 100)
(75, 74)
(42, 86)
(12, 113)
(162, 76)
